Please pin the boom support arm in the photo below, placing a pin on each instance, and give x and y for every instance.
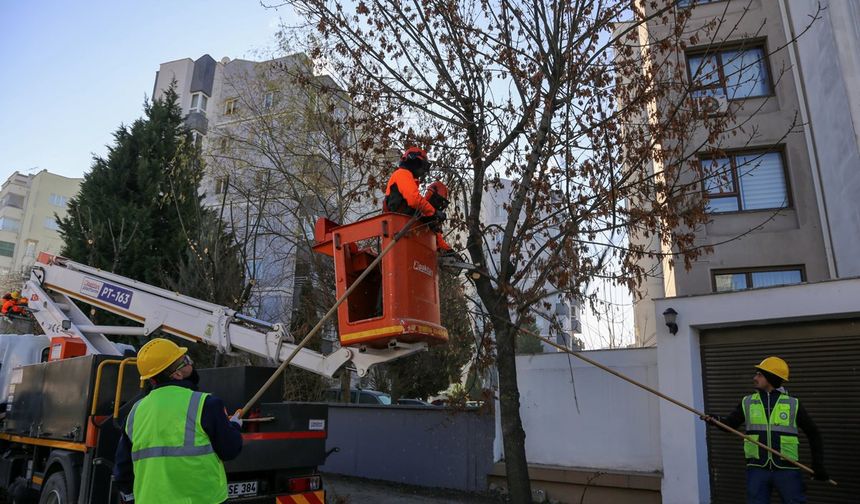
(55, 281)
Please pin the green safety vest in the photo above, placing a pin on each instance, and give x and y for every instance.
(778, 432)
(173, 459)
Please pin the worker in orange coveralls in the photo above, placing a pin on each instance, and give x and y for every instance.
(402, 194)
(13, 304)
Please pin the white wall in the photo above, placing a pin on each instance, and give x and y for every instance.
(682, 434)
(829, 59)
(181, 71)
(615, 426)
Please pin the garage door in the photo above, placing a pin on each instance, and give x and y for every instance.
(824, 359)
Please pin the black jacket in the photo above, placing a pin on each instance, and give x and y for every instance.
(225, 437)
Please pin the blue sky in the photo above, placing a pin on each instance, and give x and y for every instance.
(72, 72)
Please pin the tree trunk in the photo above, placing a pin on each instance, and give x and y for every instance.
(345, 386)
(513, 435)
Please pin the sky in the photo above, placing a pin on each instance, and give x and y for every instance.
(73, 72)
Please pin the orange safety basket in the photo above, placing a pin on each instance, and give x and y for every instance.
(400, 299)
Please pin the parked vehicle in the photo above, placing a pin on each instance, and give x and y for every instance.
(412, 402)
(64, 395)
(358, 396)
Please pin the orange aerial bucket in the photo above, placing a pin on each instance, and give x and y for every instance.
(400, 299)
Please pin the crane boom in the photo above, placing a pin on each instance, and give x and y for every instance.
(55, 281)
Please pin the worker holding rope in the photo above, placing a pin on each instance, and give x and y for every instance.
(402, 196)
(772, 417)
(176, 438)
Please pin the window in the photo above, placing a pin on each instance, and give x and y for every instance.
(690, 3)
(9, 224)
(30, 251)
(733, 280)
(198, 102)
(221, 185)
(261, 178)
(197, 139)
(734, 73)
(270, 308)
(744, 182)
(13, 200)
(268, 100)
(59, 200)
(7, 249)
(51, 224)
(264, 270)
(231, 106)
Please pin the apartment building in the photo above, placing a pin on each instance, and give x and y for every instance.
(260, 134)
(783, 222)
(782, 199)
(29, 204)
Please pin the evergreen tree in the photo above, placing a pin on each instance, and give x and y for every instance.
(139, 213)
(138, 207)
(526, 343)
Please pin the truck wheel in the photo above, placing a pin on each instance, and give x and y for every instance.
(55, 490)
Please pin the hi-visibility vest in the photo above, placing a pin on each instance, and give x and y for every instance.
(778, 432)
(172, 456)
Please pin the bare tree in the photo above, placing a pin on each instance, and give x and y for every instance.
(581, 112)
(282, 154)
(274, 167)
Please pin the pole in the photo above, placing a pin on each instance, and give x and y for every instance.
(661, 395)
(328, 315)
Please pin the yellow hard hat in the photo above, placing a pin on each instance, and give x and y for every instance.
(774, 366)
(155, 356)
(16, 294)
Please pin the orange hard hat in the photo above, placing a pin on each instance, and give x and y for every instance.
(414, 153)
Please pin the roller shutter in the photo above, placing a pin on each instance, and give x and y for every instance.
(824, 359)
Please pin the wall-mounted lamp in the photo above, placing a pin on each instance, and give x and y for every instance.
(670, 316)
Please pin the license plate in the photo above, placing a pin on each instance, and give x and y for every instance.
(241, 488)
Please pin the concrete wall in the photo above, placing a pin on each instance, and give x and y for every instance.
(429, 447)
(682, 435)
(828, 58)
(181, 71)
(576, 415)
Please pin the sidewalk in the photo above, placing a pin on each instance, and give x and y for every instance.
(348, 490)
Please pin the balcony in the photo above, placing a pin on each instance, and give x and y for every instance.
(197, 121)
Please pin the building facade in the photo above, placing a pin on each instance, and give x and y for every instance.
(781, 195)
(783, 223)
(29, 207)
(262, 137)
